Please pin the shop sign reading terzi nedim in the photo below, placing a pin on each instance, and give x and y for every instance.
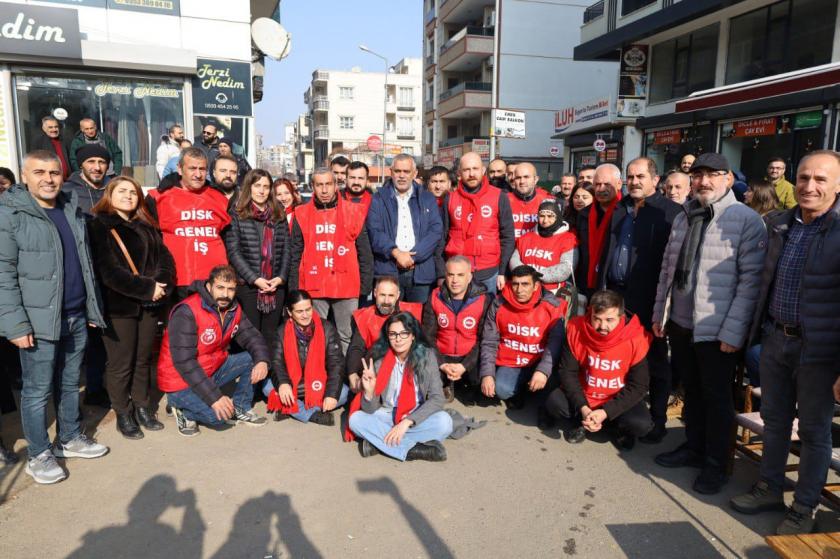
(39, 31)
(222, 87)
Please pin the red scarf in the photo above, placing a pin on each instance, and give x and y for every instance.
(314, 375)
(510, 298)
(597, 236)
(406, 401)
(266, 302)
(474, 226)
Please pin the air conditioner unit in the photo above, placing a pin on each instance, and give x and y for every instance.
(489, 16)
(489, 63)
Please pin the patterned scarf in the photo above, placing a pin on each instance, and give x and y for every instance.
(266, 302)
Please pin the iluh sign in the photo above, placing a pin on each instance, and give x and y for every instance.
(39, 31)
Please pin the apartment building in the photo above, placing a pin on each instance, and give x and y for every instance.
(515, 55)
(753, 79)
(305, 156)
(348, 107)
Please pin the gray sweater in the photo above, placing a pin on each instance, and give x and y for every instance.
(427, 380)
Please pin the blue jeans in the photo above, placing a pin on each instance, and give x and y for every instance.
(374, 426)
(53, 366)
(490, 284)
(236, 367)
(305, 414)
(509, 380)
(752, 360)
(785, 382)
(411, 292)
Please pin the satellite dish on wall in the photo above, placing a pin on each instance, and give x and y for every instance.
(271, 38)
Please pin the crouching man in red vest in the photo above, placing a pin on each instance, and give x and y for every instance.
(453, 319)
(522, 338)
(367, 324)
(603, 373)
(307, 366)
(194, 362)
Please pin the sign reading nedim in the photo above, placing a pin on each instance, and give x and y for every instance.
(221, 87)
(39, 31)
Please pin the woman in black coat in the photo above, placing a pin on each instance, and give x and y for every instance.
(134, 292)
(257, 243)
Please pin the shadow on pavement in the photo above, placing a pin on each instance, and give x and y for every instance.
(646, 540)
(251, 533)
(432, 542)
(145, 535)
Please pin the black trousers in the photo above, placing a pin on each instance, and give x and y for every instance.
(709, 412)
(660, 380)
(266, 323)
(635, 421)
(129, 344)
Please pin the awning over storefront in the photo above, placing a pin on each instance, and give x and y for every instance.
(798, 81)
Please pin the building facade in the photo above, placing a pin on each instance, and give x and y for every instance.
(134, 67)
(304, 154)
(481, 55)
(753, 79)
(347, 108)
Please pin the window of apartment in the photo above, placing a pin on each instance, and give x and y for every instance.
(628, 6)
(406, 98)
(430, 135)
(405, 126)
(779, 38)
(346, 122)
(684, 65)
(345, 92)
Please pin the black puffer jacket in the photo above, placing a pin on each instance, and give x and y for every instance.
(819, 296)
(123, 291)
(243, 241)
(334, 361)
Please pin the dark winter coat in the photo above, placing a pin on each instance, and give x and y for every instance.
(124, 292)
(819, 303)
(651, 230)
(87, 195)
(382, 231)
(243, 241)
(105, 141)
(334, 361)
(41, 141)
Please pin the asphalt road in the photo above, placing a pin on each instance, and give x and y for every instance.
(294, 490)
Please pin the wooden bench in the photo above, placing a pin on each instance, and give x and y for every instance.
(806, 546)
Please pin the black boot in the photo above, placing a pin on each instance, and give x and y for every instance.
(366, 449)
(280, 416)
(624, 441)
(545, 420)
(431, 451)
(148, 419)
(655, 435)
(322, 418)
(127, 427)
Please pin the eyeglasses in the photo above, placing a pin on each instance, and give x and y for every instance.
(399, 335)
(700, 175)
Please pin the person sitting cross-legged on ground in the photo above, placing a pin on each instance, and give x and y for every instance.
(194, 362)
(400, 409)
(603, 373)
(308, 365)
(522, 338)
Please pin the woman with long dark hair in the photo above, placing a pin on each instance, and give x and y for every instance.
(136, 272)
(257, 243)
(582, 196)
(399, 411)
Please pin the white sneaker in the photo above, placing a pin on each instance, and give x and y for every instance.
(80, 447)
(44, 469)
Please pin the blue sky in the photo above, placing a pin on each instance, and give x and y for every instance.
(326, 35)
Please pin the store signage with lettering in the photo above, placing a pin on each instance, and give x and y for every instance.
(165, 7)
(632, 81)
(811, 119)
(599, 145)
(138, 91)
(591, 112)
(482, 148)
(221, 87)
(672, 136)
(39, 31)
(755, 127)
(509, 124)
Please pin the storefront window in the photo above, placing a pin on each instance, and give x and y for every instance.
(667, 147)
(134, 112)
(750, 144)
(779, 38)
(235, 128)
(684, 65)
(590, 157)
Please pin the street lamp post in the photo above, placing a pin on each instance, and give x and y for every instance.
(384, 112)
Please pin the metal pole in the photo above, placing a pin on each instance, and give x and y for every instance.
(384, 112)
(495, 93)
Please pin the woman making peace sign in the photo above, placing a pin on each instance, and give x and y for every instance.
(399, 411)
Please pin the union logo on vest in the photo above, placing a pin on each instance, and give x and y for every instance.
(208, 336)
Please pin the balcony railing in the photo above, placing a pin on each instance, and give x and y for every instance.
(405, 135)
(466, 86)
(594, 11)
(321, 105)
(322, 132)
(430, 60)
(468, 30)
(320, 76)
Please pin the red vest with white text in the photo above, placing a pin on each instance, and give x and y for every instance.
(211, 349)
(474, 226)
(544, 252)
(523, 334)
(605, 360)
(457, 334)
(525, 213)
(369, 322)
(192, 223)
(329, 265)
